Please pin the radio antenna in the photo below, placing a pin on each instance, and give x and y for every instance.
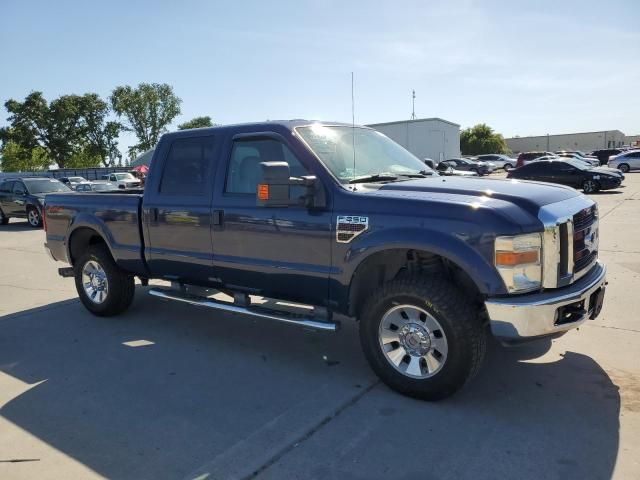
(353, 129)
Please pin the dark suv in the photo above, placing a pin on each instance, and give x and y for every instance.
(22, 198)
(603, 155)
(528, 156)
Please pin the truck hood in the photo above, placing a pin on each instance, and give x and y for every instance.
(527, 195)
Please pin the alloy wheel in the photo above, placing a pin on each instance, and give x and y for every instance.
(94, 281)
(413, 341)
(34, 217)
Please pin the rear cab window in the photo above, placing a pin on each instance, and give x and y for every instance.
(187, 167)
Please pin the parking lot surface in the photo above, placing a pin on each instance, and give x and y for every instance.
(172, 391)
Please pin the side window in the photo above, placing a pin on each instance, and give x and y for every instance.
(6, 187)
(186, 168)
(18, 187)
(243, 172)
(113, 178)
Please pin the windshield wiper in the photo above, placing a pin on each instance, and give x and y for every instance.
(377, 177)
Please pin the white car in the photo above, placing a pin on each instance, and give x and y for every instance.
(124, 180)
(594, 162)
(499, 160)
(625, 161)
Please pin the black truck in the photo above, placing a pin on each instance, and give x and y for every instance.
(345, 221)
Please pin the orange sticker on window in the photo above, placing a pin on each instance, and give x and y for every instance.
(263, 191)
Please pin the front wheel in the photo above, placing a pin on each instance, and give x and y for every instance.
(104, 289)
(590, 186)
(507, 167)
(624, 168)
(34, 218)
(422, 337)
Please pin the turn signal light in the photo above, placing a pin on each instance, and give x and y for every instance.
(509, 259)
(263, 191)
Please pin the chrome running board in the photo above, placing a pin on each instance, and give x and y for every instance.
(259, 312)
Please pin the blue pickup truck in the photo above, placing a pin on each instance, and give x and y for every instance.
(344, 221)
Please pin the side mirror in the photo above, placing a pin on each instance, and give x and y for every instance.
(274, 188)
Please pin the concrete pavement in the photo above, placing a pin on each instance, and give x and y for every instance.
(171, 391)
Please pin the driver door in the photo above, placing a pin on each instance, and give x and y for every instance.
(281, 252)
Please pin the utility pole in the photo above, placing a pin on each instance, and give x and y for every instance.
(413, 105)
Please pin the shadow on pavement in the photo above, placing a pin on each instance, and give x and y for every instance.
(17, 225)
(515, 420)
(186, 386)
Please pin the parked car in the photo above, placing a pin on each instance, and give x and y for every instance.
(594, 162)
(448, 171)
(71, 182)
(526, 157)
(604, 154)
(124, 180)
(428, 265)
(499, 160)
(625, 161)
(465, 164)
(22, 197)
(567, 172)
(96, 186)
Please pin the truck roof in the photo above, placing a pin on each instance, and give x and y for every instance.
(268, 124)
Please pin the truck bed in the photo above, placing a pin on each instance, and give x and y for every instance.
(117, 216)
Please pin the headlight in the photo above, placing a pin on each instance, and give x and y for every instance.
(518, 260)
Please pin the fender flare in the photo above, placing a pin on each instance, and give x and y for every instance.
(83, 220)
(449, 246)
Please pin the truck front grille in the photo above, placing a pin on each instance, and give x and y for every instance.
(585, 238)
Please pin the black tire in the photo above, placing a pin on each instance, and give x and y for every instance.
(507, 167)
(624, 168)
(590, 186)
(475, 170)
(121, 285)
(34, 218)
(465, 336)
(3, 219)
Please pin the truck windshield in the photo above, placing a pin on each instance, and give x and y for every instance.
(48, 185)
(125, 176)
(376, 155)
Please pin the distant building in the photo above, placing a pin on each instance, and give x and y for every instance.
(633, 140)
(586, 141)
(143, 159)
(433, 138)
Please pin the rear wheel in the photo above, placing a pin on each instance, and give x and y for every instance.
(104, 289)
(3, 219)
(590, 186)
(624, 168)
(422, 337)
(475, 170)
(33, 217)
(507, 167)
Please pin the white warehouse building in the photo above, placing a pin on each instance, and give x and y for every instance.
(433, 138)
(586, 141)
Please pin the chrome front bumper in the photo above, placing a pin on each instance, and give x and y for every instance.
(539, 314)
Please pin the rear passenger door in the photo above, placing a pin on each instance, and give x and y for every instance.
(177, 209)
(5, 196)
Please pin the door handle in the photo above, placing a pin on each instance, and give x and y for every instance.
(218, 217)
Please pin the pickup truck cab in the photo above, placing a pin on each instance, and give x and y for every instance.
(124, 180)
(343, 220)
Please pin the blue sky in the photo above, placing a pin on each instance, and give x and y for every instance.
(522, 67)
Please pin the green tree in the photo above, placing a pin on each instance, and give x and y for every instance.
(481, 139)
(148, 109)
(197, 122)
(70, 127)
(14, 158)
(99, 135)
